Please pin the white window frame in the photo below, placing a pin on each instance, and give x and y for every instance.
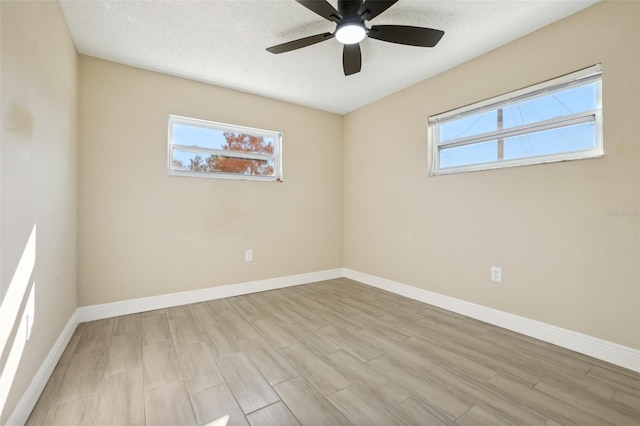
(224, 127)
(584, 76)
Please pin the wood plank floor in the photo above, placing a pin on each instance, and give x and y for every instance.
(333, 352)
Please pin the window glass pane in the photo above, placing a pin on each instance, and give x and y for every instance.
(204, 137)
(578, 137)
(469, 126)
(197, 162)
(566, 139)
(567, 102)
(198, 136)
(248, 143)
(552, 105)
(469, 154)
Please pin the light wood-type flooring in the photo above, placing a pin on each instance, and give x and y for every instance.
(329, 353)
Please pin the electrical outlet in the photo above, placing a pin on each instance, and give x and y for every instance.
(496, 274)
(248, 255)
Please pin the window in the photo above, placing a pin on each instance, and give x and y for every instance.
(557, 120)
(210, 149)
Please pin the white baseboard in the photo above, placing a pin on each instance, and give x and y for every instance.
(108, 310)
(29, 398)
(604, 350)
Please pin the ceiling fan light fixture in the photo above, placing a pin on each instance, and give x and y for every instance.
(350, 33)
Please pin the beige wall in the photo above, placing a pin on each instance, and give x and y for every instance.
(38, 185)
(564, 262)
(144, 233)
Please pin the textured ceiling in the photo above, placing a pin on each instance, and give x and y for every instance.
(223, 42)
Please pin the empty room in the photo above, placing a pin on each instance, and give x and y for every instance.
(290, 212)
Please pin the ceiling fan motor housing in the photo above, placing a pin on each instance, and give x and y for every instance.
(351, 28)
(349, 10)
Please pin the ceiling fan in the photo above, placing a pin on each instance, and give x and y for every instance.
(351, 29)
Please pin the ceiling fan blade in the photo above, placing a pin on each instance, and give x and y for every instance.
(404, 34)
(351, 59)
(301, 42)
(322, 8)
(374, 8)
